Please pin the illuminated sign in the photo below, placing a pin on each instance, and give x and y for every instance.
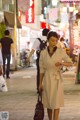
(69, 1)
(30, 13)
(53, 14)
(19, 14)
(44, 25)
(23, 5)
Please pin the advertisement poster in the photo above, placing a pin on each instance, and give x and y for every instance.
(23, 5)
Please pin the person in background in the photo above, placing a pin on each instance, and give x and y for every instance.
(6, 47)
(61, 43)
(51, 60)
(36, 47)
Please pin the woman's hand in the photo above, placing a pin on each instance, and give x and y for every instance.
(58, 64)
(40, 87)
(67, 64)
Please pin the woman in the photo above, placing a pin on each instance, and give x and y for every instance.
(51, 60)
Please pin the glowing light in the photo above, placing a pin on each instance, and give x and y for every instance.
(54, 3)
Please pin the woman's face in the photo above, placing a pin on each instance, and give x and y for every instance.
(52, 41)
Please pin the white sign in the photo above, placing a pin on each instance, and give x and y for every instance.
(53, 14)
(4, 115)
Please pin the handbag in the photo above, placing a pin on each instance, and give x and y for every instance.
(39, 109)
(3, 85)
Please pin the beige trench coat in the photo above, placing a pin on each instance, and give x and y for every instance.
(53, 95)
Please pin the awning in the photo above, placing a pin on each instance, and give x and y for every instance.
(9, 20)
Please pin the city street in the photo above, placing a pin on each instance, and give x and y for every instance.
(21, 98)
(33, 25)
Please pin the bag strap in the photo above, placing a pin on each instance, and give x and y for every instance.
(39, 40)
(40, 97)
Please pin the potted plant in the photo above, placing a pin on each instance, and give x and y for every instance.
(2, 29)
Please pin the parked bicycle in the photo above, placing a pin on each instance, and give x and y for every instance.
(23, 59)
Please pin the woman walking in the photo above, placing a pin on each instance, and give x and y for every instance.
(51, 61)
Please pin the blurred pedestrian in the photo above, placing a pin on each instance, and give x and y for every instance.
(61, 43)
(51, 60)
(6, 47)
(1, 62)
(36, 47)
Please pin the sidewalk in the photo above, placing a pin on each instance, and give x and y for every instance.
(21, 98)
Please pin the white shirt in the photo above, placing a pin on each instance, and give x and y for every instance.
(36, 43)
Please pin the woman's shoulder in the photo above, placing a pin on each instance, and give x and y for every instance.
(44, 51)
(60, 49)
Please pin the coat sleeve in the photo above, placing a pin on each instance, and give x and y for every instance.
(41, 62)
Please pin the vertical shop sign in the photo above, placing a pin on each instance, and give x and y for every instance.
(53, 14)
(30, 13)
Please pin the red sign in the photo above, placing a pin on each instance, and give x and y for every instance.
(44, 25)
(30, 13)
